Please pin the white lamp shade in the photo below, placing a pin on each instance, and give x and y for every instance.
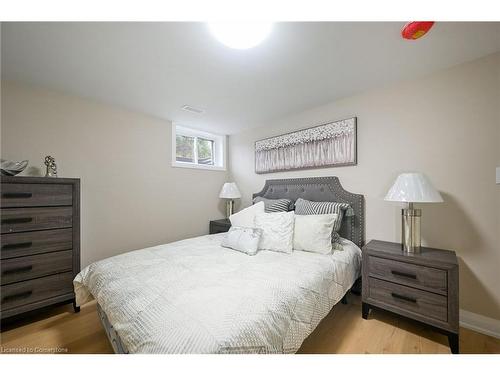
(230, 191)
(413, 187)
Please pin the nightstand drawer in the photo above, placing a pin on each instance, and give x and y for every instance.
(428, 278)
(219, 226)
(401, 297)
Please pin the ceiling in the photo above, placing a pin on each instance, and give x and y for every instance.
(156, 68)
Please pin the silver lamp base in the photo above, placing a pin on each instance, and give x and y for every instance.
(410, 235)
(229, 208)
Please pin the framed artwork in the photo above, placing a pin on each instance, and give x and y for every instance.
(328, 145)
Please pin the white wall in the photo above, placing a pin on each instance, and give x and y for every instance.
(445, 125)
(131, 195)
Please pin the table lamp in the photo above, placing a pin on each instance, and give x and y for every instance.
(229, 192)
(412, 188)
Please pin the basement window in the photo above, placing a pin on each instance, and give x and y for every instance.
(197, 149)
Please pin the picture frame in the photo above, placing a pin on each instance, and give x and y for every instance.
(332, 144)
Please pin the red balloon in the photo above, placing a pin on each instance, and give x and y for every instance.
(415, 30)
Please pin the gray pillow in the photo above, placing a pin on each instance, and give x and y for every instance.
(243, 239)
(274, 205)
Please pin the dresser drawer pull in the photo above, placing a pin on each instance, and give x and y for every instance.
(17, 220)
(21, 295)
(16, 195)
(18, 245)
(18, 270)
(404, 298)
(404, 274)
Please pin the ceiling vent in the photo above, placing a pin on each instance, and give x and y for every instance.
(188, 108)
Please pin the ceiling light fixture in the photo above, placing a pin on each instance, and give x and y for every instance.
(240, 35)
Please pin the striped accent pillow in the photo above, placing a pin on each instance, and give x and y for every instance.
(305, 207)
(274, 205)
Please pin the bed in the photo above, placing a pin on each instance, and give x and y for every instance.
(194, 296)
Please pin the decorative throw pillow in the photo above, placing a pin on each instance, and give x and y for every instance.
(242, 239)
(305, 207)
(314, 233)
(277, 231)
(246, 217)
(275, 205)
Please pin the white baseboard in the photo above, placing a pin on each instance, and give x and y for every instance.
(480, 323)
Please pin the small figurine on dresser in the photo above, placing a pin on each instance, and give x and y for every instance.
(50, 162)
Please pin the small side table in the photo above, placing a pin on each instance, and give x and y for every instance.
(421, 286)
(219, 226)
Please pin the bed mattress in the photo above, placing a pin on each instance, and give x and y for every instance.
(194, 296)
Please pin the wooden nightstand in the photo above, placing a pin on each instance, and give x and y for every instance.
(219, 226)
(422, 286)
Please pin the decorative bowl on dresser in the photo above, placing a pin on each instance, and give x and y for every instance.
(219, 226)
(40, 242)
(421, 286)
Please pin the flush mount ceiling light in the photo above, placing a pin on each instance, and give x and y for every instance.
(240, 35)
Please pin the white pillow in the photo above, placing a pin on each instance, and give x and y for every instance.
(242, 239)
(314, 233)
(277, 231)
(246, 217)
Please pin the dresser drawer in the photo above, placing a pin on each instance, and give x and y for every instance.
(25, 292)
(417, 301)
(27, 219)
(39, 242)
(36, 195)
(428, 278)
(30, 267)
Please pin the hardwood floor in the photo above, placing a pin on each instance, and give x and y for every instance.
(342, 331)
(57, 328)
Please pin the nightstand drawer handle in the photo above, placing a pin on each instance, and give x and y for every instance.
(17, 195)
(404, 298)
(404, 274)
(21, 295)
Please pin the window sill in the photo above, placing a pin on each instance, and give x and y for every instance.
(177, 164)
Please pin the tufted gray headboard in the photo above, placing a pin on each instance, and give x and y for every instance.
(322, 189)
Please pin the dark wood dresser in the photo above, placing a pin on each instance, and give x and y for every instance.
(40, 242)
(421, 286)
(219, 226)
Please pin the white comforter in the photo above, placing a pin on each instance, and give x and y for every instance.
(194, 296)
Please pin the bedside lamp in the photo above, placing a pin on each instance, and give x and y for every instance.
(412, 188)
(230, 192)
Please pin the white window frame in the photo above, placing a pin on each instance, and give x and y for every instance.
(219, 148)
